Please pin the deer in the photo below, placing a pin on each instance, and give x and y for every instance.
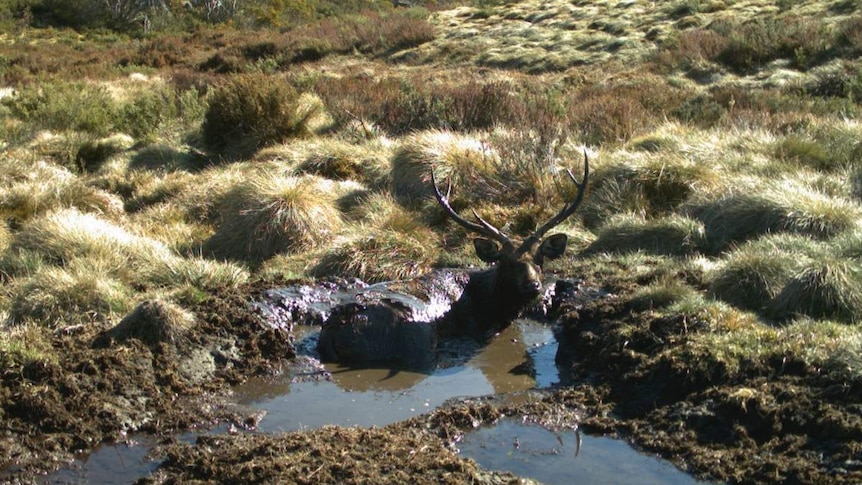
(386, 329)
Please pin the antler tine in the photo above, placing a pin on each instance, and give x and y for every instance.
(565, 212)
(484, 227)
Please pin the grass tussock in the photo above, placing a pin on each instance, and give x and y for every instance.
(153, 322)
(466, 162)
(778, 206)
(367, 163)
(753, 275)
(272, 214)
(56, 189)
(62, 236)
(671, 235)
(648, 187)
(661, 294)
(79, 294)
(381, 255)
(825, 287)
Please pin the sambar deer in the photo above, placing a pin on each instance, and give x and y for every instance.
(377, 329)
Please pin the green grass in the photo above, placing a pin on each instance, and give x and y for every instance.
(824, 288)
(671, 235)
(776, 206)
(751, 276)
(380, 255)
(465, 161)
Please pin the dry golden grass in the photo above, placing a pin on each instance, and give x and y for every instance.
(78, 294)
(274, 214)
(462, 159)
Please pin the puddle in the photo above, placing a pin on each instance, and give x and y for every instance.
(519, 359)
(556, 458)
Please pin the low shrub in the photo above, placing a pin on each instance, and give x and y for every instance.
(400, 105)
(805, 42)
(66, 106)
(251, 111)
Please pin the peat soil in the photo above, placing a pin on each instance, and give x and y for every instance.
(781, 422)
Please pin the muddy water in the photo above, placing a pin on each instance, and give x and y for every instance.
(308, 397)
(566, 457)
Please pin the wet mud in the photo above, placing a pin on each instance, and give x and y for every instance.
(781, 422)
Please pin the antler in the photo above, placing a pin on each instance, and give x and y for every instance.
(564, 213)
(483, 227)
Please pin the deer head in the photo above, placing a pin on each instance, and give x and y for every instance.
(503, 291)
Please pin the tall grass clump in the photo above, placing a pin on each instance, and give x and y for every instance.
(65, 235)
(672, 235)
(829, 148)
(272, 214)
(661, 294)
(154, 321)
(381, 254)
(251, 111)
(78, 294)
(30, 198)
(781, 206)
(649, 188)
(385, 242)
(825, 287)
(93, 153)
(751, 276)
(468, 163)
(341, 160)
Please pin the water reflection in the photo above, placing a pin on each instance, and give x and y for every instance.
(556, 458)
(511, 362)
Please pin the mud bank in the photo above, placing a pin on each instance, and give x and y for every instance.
(781, 422)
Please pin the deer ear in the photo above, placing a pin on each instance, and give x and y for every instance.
(552, 247)
(487, 250)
